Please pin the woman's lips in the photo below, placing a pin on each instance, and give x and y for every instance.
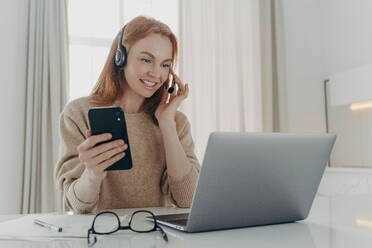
(148, 84)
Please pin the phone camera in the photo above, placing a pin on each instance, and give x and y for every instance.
(117, 114)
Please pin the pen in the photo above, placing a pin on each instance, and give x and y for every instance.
(47, 225)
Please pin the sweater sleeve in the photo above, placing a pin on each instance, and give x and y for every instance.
(69, 168)
(182, 190)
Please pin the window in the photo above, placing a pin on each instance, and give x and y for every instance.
(93, 25)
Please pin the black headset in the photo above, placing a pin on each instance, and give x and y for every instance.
(120, 58)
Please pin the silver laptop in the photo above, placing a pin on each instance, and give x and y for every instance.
(250, 179)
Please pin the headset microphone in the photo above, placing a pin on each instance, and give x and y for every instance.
(171, 89)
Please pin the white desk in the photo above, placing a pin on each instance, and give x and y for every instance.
(343, 221)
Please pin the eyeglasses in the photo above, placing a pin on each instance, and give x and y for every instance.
(107, 222)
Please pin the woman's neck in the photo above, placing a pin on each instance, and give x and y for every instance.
(130, 102)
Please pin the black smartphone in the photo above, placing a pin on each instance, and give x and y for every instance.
(111, 120)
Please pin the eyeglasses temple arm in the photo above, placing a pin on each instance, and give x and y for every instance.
(165, 237)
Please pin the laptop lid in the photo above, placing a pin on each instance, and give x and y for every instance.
(250, 179)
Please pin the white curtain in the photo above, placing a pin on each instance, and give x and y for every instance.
(47, 77)
(221, 58)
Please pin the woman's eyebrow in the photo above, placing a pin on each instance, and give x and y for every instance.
(152, 56)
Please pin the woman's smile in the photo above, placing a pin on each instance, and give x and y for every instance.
(148, 84)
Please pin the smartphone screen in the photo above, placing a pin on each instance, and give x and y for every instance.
(111, 120)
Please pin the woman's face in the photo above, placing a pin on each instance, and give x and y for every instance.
(148, 64)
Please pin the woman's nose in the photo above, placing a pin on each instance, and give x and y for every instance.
(156, 72)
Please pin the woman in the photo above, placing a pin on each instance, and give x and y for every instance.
(165, 168)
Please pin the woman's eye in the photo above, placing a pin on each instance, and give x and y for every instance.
(166, 65)
(146, 60)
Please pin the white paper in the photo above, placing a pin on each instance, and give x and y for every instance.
(73, 226)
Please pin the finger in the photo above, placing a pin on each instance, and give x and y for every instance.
(108, 154)
(111, 161)
(184, 94)
(164, 96)
(93, 140)
(171, 71)
(177, 80)
(93, 152)
(187, 90)
(181, 86)
(172, 96)
(88, 133)
(179, 98)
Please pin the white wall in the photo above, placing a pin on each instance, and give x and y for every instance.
(348, 43)
(316, 39)
(300, 65)
(13, 21)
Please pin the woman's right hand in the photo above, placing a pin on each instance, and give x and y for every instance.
(97, 159)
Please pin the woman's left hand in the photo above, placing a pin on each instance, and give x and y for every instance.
(166, 112)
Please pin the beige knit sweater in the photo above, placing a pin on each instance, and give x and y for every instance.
(145, 185)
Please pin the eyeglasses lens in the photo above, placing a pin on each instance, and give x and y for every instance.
(142, 222)
(106, 223)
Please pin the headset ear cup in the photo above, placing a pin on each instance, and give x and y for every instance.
(121, 52)
(124, 57)
(118, 58)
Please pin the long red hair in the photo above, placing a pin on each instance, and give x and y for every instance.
(112, 79)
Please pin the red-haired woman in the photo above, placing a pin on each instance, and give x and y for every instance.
(165, 168)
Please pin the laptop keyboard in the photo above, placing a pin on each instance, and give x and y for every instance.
(178, 222)
(178, 219)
